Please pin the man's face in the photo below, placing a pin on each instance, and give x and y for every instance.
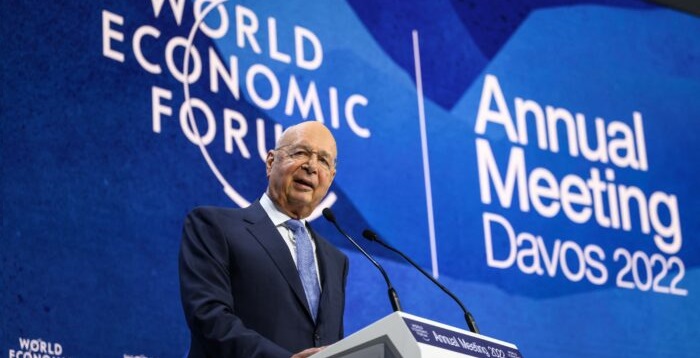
(301, 169)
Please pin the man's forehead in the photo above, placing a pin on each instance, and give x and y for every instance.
(312, 136)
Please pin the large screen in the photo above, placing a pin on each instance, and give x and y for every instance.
(537, 157)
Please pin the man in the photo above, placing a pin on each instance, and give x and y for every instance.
(255, 284)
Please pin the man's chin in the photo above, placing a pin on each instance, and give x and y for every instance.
(302, 204)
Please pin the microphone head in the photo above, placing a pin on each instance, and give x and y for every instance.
(328, 214)
(370, 235)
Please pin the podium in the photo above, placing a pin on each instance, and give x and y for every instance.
(402, 335)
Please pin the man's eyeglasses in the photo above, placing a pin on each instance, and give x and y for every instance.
(303, 154)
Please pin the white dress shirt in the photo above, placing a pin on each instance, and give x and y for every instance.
(278, 219)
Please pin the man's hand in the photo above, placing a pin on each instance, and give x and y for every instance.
(308, 352)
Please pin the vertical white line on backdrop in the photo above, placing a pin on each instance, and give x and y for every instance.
(424, 147)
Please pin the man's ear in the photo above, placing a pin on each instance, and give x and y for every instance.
(268, 162)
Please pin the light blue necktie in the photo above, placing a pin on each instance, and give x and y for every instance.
(305, 264)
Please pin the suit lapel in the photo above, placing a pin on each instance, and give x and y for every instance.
(265, 232)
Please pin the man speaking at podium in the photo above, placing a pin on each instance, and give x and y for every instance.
(258, 282)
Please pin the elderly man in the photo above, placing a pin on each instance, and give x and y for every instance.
(258, 282)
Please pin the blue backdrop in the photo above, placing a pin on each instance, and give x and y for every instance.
(538, 157)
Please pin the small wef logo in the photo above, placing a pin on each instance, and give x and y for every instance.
(36, 348)
(419, 331)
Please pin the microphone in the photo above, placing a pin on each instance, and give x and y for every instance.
(371, 236)
(393, 296)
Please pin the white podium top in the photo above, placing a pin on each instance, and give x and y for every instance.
(407, 336)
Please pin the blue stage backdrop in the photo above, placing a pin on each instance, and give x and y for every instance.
(539, 157)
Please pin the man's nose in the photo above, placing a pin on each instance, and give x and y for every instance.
(311, 164)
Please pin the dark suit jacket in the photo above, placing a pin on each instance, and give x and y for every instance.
(241, 292)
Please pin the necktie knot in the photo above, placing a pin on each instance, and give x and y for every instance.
(294, 225)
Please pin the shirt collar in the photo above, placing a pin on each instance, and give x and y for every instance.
(278, 217)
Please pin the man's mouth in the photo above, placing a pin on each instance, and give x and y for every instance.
(304, 182)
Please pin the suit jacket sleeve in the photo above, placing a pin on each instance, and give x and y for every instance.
(206, 295)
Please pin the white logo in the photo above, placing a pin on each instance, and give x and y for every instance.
(33, 348)
(420, 331)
